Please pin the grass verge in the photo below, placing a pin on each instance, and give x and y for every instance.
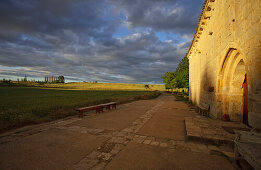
(181, 97)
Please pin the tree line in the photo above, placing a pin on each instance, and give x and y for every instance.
(178, 78)
(53, 79)
(47, 79)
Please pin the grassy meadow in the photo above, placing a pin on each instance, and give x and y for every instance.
(88, 86)
(106, 86)
(29, 105)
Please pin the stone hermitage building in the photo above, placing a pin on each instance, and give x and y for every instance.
(225, 60)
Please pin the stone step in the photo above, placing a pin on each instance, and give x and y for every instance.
(207, 135)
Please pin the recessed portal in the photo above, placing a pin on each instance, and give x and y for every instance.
(233, 87)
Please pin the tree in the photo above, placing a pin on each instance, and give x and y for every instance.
(182, 70)
(179, 78)
(168, 79)
(25, 78)
(61, 79)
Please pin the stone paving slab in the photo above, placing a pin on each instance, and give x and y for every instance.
(141, 156)
(168, 123)
(51, 149)
(210, 130)
(183, 145)
(116, 119)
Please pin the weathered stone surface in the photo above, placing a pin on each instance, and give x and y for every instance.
(147, 142)
(107, 156)
(212, 147)
(151, 138)
(117, 148)
(120, 140)
(99, 166)
(225, 48)
(171, 145)
(211, 130)
(226, 148)
(202, 148)
(139, 156)
(163, 144)
(229, 154)
(94, 154)
(138, 140)
(85, 164)
(154, 143)
(127, 130)
(114, 151)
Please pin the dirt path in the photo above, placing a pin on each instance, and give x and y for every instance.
(146, 134)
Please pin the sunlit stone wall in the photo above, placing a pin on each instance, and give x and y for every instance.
(226, 46)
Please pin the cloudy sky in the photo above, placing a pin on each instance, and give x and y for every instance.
(126, 41)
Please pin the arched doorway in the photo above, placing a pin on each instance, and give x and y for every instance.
(233, 86)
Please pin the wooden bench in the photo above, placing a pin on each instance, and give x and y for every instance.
(110, 105)
(98, 108)
(248, 147)
(204, 109)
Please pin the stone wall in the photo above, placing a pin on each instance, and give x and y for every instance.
(226, 46)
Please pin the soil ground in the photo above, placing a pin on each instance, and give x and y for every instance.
(145, 134)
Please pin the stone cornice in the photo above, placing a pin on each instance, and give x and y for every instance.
(203, 19)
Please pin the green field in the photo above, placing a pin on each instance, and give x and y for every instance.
(28, 105)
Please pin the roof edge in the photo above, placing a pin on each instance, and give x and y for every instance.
(197, 28)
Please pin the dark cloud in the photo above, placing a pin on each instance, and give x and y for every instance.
(164, 15)
(75, 38)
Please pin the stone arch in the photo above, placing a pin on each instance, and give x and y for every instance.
(230, 84)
